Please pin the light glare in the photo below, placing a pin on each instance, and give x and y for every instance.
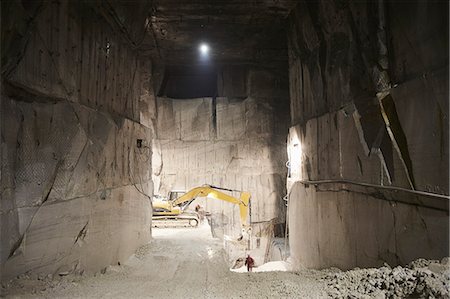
(296, 158)
(204, 49)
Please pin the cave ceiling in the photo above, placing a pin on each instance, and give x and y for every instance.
(236, 31)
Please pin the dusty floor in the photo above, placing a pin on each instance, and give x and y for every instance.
(178, 263)
(189, 263)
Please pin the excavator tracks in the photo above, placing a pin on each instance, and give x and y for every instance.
(180, 221)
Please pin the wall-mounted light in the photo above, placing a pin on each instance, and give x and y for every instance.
(295, 159)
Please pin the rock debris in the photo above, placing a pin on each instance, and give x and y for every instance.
(421, 278)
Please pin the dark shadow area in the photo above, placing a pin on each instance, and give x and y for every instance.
(188, 82)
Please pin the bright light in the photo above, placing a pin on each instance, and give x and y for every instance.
(204, 49)
(296, 158)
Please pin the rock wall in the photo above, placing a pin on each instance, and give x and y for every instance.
(368, 146)
(75, 98)
(233, 143)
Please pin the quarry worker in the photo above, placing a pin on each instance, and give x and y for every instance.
(250, 262)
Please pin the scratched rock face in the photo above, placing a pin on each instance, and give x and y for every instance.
(73, 180)
(367, 98)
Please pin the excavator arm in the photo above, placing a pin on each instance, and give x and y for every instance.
(175, 209)
(209, 191)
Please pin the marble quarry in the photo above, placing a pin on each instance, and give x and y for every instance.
(334, 115)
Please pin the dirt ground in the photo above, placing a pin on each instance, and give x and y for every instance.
(189, 263)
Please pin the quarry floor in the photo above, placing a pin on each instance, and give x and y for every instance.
(190, 263)
(177, 263)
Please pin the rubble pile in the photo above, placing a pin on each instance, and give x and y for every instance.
(421, 279)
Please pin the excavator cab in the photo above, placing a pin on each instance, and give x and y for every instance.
(174, 194)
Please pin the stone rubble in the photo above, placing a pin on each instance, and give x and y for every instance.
(421, 278)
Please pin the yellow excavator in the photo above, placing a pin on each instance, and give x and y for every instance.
(173, 208)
